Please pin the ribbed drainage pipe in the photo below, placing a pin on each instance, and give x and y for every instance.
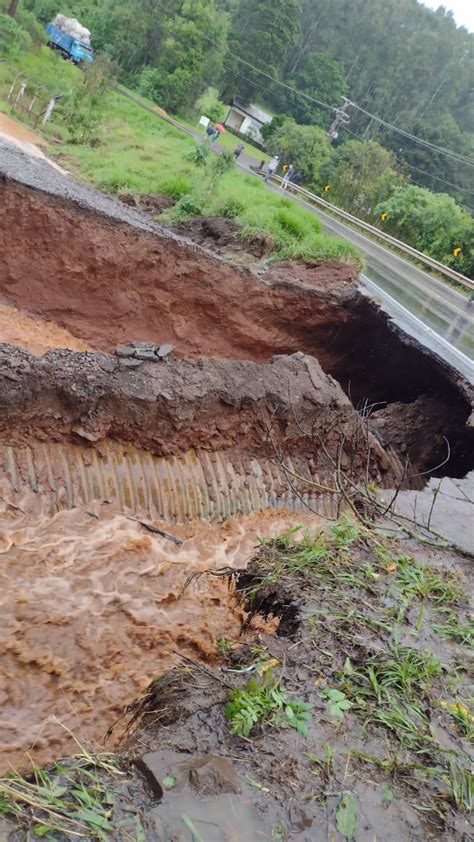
(195, 484)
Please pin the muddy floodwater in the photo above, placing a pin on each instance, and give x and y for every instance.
(92, 608)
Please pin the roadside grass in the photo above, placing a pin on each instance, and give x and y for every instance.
(137, 152)
(363, 607)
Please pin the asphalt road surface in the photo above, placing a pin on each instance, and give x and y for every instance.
(438, 316)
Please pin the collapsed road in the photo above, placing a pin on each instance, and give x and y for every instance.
(238, 370)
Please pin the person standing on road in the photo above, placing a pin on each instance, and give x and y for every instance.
(272, 165)
(287, 177)
(238, 150)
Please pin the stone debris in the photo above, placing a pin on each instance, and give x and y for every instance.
(135, 353)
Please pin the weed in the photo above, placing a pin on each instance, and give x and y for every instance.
(230, 209)
(265, 703)
(408, 724)
(176, 186)
(462, 716)
(188, 205)
(402, 672)
(337, 702)
(318, 555)
(199, 155)
(69, 798)
(415, 580)
(224, 645)
(346, 816)
(452, 629)
(461, 784)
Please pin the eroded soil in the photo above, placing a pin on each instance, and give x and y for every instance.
(269, 363)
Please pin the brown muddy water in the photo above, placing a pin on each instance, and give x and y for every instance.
(92, 608)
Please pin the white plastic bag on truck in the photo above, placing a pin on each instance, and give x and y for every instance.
(73, 28)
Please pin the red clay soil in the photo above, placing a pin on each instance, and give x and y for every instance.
(107, 282)
(108, 276)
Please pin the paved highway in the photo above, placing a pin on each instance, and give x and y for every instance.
(437, 315)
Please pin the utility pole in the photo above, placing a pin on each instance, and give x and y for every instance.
(340, 118)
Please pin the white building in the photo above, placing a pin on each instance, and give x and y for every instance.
(247, 119)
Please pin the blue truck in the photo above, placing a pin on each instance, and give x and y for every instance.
(70, 47)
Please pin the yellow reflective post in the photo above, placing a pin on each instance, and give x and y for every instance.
(457, 251)
(327, 188)
(383, 216)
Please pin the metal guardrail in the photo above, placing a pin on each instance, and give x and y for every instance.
(423, 258)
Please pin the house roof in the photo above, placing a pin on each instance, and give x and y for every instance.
(252, 111)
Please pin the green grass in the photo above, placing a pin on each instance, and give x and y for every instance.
(417, 581)
(70, 798)
(138, 152)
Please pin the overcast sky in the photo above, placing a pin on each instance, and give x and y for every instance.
(463, 10)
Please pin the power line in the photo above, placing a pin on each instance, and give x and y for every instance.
(440, 149)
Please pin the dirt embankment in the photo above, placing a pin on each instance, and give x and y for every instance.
(169, 406)
(111, 277)
(107, 274)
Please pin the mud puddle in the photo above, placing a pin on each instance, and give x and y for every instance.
(93, 607)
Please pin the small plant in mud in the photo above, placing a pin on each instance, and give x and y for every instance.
(265, 703)
(224, 645)
(417, 581)
(337, 702)
(452, 629)
(463, 716)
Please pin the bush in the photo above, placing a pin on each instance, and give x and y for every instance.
(188, 205)
(230, 209)
(176, 186)
(290, 223)
(211, 106)
(13, 39)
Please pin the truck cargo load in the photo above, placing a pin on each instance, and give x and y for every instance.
(73, 28)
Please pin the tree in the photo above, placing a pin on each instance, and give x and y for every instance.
(320, 77)
(306, 147)
(12, 8)
(360, 176)
(276, 123)
(261, 34)
(433, 223)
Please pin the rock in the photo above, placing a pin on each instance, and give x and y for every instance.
(131, 363)
(164, 351)
(145, 354)
(213, 775)
(205, 775)
(151, 767)
(298, 818)
(123, 350)
(89, 435)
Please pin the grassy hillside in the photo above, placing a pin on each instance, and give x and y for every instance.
(130, 150)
